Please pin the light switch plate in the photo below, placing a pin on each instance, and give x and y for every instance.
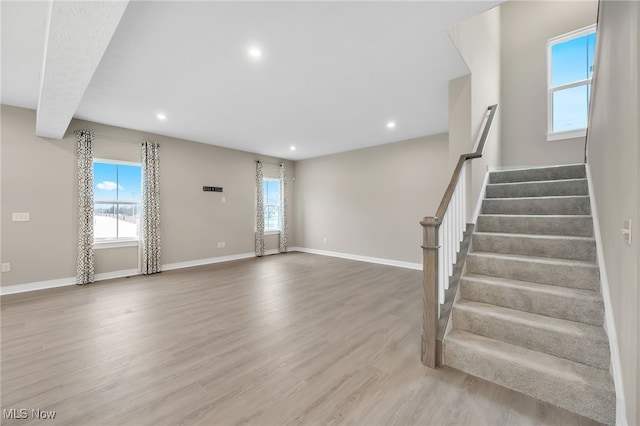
(6, 267)
(626, 230)
(21, 217)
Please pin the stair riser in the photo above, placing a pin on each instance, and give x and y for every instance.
(550, 173)
(538, 189)
(586, 277)
(562, 361)
(553, 342)
(539, 247)
(574, 226)
(572, 309)
(552, 206)
(579, 397)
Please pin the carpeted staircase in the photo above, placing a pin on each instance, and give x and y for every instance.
(529, 314)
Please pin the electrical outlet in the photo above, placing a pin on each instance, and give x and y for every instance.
(324, 240)
(222, 244)
(6, 267)
(21, 217)
(223, 200)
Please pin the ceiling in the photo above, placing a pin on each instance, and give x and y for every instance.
(331, 76)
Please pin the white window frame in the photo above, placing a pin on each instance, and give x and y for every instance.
(569, 134)
(106, 243)
(265, 205)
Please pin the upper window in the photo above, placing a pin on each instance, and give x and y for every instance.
(570, 59)
(271, 190)
(116, 209)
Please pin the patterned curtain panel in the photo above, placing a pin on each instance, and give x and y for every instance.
(259, 211)
(150, 214)
(284, 240)
(85, 271)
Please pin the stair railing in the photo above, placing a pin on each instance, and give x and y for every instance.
(442, 235)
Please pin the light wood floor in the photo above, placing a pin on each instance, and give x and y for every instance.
(288, 339)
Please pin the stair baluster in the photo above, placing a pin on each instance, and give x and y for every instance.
(442, 235)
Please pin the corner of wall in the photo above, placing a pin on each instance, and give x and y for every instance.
(609, 320)
(614, 171)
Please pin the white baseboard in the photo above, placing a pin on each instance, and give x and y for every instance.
(62, 282)
(116, 274)
(208, 261)
(42, 285)
(609, 321)
(378, 260)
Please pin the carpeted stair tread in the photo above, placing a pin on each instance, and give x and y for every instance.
(571, 340)
(551, 246)
(573, 171)
(529, 313)
(564, 272)
(576, 225)
(567, 303)
(560, 205)
(572, 385)
(538, 188)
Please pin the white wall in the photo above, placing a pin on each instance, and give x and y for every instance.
(526, 28)
(478, 41)
(460, 139)
(369, 202)
(39, 177)
(460, 134)
(614, 161)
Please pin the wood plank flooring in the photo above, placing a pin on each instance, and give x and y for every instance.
(280, 340)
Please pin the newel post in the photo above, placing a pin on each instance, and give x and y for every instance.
(431, 307)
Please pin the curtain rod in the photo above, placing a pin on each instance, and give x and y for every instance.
(128, 140)
(267, 162)
(98, 135)
(101, 136)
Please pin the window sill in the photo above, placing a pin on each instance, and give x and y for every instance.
(271, 232)
(98, 245)
(571, 134)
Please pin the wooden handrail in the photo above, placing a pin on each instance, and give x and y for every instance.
(431, 308)
(446, 198)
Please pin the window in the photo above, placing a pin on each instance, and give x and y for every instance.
(271, 189)
(116, 205)
(570, 60)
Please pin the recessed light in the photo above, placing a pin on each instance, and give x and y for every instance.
(161, 116)
(391, 125)
(255, 52)
(292, 148)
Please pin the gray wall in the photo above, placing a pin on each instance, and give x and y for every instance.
(39, 177)
(369, 202)
(614, 160)
(526, 27)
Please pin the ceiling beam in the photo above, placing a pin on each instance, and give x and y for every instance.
(78, 33)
